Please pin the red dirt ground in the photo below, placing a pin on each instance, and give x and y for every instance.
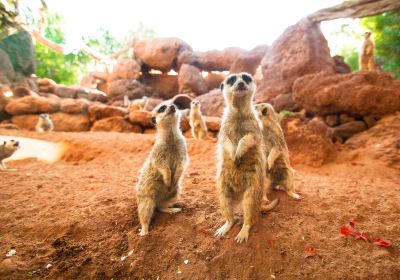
(79, 215)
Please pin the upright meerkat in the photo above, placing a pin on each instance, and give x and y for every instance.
(278, 167)
(44, 123)
(7, 149)
(241, 161)
(139, 104)
(197, 123)
(160, 178)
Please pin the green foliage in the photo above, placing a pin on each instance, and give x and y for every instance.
(103, 42)
(65, 69)
(386, 35)
(8, 18)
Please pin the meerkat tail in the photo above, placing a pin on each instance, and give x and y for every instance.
(273, 155)
(269, 207)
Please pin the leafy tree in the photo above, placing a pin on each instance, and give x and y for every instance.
(386, 35)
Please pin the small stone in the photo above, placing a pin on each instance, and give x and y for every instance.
(130, 253)
(123, 258)
(48, 266)
(11, 253)
(186, 261)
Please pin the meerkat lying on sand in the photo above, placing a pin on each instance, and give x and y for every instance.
(197, 123)
(139, 104)
(241, 160)
(278, 168)
(160, 178)
(44, 123)
(7, 149)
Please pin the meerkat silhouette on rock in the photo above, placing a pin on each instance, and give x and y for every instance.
(197, 123)
(278, 168)
(241, 160)
(160, 178)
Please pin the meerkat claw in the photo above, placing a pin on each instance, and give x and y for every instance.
(171, 210)
(223, 230)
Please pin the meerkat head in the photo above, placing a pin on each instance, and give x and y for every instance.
(45, 116)
(166, 115)
(11, 145)
(266, 111)
(195, 105)
(238, 90)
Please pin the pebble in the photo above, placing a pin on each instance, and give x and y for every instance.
(11, 253)
(186, 261)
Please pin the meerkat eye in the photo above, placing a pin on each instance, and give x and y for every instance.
(231, 80)
(221, 87)
(265, 111)
(162, 109)
(247, 79)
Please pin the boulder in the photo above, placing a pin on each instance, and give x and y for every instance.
(191, 80)
(65, 92)
(344, 131)
(332, 120)
(142, 118)
(212, 123)
(284, 102)
(101, 111)
(345, 118)
(184, 125)
(160, 53)
(7, 74)
(214, 80)
(70, 123)
(212, 103)
(117, 89)
(27, 122)
(117, 124)
(249, 61)
(162, 85)
(32, 105)
(74, 106)
(370, 121)
(126, 68)
(94, 95)
(308, 142)
(302, 49)
(341, 66)
(182, 101)
(46, 85)
(359, 93)
(19, 92)
(152, 103)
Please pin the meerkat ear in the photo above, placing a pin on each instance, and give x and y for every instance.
(221, 87)
(153, 120)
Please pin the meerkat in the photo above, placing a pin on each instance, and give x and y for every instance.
(44, 124)
(278, 169)
(197, 123)
(241, 161)
(7, 149)
(139, 104)
(160, 178)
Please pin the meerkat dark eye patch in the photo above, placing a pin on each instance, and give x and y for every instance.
(264, 111)
(162, 109)
(231, 80)
(247, 79)
(153, 120)
(221, 87)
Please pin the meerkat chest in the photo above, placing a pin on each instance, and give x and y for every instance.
(236, 129)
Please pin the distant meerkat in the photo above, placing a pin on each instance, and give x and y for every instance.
(160, 178)
(44, 124)
(7, 149)
(278, 168)
(139, 104)
(197, 123)
(241, 161)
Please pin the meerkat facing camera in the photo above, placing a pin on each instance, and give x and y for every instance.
(7, 149)
(241, 161)
(44, 124)
(278, 168)
(197, 123)
(160, 178)
(139, 104)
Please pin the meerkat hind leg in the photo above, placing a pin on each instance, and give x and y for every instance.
(4, 168)
(227, 212)
(145, 209)
(273, 155)
(248, 205)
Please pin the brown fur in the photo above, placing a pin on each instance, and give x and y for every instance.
(7, 149)
(160, 178)
(241, 161)
(197, 123)
(44, 124)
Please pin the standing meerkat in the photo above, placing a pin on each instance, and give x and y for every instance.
(278, 167)
(160, 178)
(7, 149)
(44, 124)
(241, 161)
(139, 104)
(197, 123)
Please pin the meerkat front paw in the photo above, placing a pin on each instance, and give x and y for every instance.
(223, 230)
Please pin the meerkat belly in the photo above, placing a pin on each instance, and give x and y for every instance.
(279, 171)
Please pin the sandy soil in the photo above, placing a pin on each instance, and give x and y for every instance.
(79, 215)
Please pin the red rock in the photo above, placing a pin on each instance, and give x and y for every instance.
(117, 89)
(341, 66)
(191, 80)
(301, 49)
(212, 103)
(308, 143)
(345, 118)
(150, 131)
(100, 111)
(118, 124)
(216, 60)
(32, 105)
(284, 102)
(27, 122)
(212, 123)
(184, 125)
(70, 123)
(332, 120)
(65, 92)
(152, 103)
(126, 68)
(344, 131)
(142, 118)
(74, 106)
(95, 95)
(360, 93)
(160, 53)
(370, 121)
(162, 85)
(214, 80)
(19, 92)
(249, 61)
